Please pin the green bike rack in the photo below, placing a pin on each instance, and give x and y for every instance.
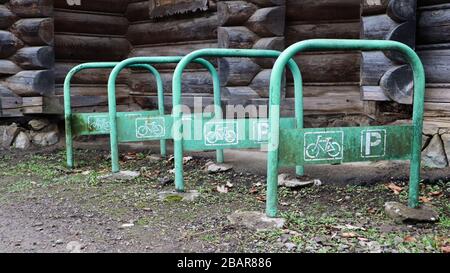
(288, 147)
(241, 133)
(79, 124)
(145, 127)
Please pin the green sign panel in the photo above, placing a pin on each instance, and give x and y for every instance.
(133, 126)
(340, 145)
(211, 134)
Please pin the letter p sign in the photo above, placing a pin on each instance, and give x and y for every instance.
(373, 143)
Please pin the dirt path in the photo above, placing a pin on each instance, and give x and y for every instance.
(45, 208)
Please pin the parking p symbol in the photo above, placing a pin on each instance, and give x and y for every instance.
(373, 143)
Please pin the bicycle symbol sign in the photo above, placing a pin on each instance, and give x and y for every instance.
(221, 133)
(150, 128)
(324, 146)
(99, 124)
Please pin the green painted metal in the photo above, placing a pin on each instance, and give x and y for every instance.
(408, 136)
(245, 142)
(102, 122)
(168, 123)
(343, 145)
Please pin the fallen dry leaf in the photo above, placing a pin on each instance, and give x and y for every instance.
(229, 185)
(261, 198)
(409, 239)
(222, 189)
(253, 190)
(445, 249)
(396, 189)
(436, 194)
(425, 199)
(349, 235)
(187, 159)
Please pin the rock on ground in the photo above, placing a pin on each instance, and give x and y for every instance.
(256, 220)
(289, 181)
(45, 139)
(434, 155)
(187, 196)
(22, 141)
(446, 140)
(405, 214)
(10, 134)
(38, 124)
(217, 168)
(122, 175)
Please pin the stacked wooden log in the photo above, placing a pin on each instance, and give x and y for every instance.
(331, 78)
(170, 35)
(249, 24)
(26, 55)
(433, 46)
(384, 75)
(88, 32)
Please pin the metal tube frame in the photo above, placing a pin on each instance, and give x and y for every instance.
(151, 60)
(222, 52)
(336, 44)
(67, 100)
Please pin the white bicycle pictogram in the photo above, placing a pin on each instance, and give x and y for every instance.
(150, 129)
(221, 133)
(327, 145)
(99, 124)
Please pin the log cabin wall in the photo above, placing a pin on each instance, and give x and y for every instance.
(26, 55)
(258, 24)
(170, 34)
(331, 78)
(384, 75)
(433, 46)
(89, 31)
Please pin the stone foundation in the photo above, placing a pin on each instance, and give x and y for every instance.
(34, 134)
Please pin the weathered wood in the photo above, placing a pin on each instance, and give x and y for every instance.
(31, 83)
(5, 92)
(9, 44)
(35, 31)
(371, 7)
(104, 24)
(314, 10)
(327, 99)
(32, 8)
(373, 66)
(202, 28)
(41, 57)
(377, 27)
(329, 67)
(9, 68)
(107, 6)
(232, 13)
(122, 90)
(436, 63)
(194, 82)
(397, 84)
(433, 26)
(237, 71)
(266, 22)
(75, 47)
(236, 37)
(138, 11)
(161, 8)
(7, 18)
(96, 76)
(329, 30)
(179, 49)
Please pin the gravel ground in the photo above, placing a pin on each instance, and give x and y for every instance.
(47, 208)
